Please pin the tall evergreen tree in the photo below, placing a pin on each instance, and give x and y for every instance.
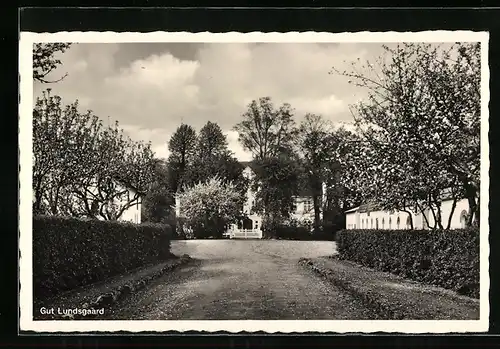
(182, 147)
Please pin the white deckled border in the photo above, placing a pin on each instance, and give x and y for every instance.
(272, 37)
(270, 326)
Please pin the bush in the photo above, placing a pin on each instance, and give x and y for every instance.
(293, 230)
(71, 252)
(448, 259)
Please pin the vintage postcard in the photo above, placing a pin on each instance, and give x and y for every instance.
(276, 182)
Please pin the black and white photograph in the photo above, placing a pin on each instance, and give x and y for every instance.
(276, 182)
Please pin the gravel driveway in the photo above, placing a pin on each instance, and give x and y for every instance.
(243, 279)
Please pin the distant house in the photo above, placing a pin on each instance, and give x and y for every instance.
(251, 225)
(128, 202)
(133, 212)
(370, 216)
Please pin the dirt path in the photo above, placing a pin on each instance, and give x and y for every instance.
(235, 280)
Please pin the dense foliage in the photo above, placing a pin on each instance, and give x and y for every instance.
(209, 207)
(293, 230)
(417, 134)
(45, 60)
(70, 252)
(449, 259)
(82, 168)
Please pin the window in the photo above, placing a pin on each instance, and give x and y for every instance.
(256, 226)
(463, 219)
(390, 222)
(383, 223)
(307, 205)
(408, 222)
(397, 223)
(371, 223)
(376, 223)
(362, 223)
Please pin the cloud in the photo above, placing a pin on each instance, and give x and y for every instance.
(235, 146)
(153, 94)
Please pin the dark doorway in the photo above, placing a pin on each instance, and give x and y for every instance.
(247, 224)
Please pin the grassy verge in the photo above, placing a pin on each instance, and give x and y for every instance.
(394, 298)
(91, 299)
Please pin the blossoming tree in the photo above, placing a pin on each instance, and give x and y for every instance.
(419, 129)
(209, 207)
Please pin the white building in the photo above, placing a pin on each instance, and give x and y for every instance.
(127, 199)
(369, 216)
(133, 212)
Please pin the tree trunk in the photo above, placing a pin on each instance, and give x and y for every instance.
(411, 218)
(317, 196)
(438, 212)
(317, 209)
(433, 212)
(473, 206)
(424, 215)
(477, 214)
(454, 205)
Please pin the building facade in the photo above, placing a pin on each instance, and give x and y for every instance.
(251, 225)
(369, 216)
(131, 214)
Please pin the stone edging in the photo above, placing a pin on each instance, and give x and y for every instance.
(109, 298)
(379, 308)
(383, 310)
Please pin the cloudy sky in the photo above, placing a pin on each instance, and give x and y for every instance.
(152, 88)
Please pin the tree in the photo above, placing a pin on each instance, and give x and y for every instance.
(266, 131)
(82, 168)
(276, 183)
(314, 148)
(44, 61)
(213, 159)
(125, 165)
(182, 147)
(420, 126)
(211, 142)
(209, 207)
(64, 143)
(343, 174)
(159, 200)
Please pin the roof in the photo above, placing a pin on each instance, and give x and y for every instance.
(369, 207)
(250, 164)
(304, 191)
(352, 210)
(128, 185)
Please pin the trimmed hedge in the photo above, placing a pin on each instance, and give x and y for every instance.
(449, 259)
(70, 252)
(294, 232)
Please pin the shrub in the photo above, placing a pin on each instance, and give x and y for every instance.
(293, 230)
(445, 258)
(71, 252)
